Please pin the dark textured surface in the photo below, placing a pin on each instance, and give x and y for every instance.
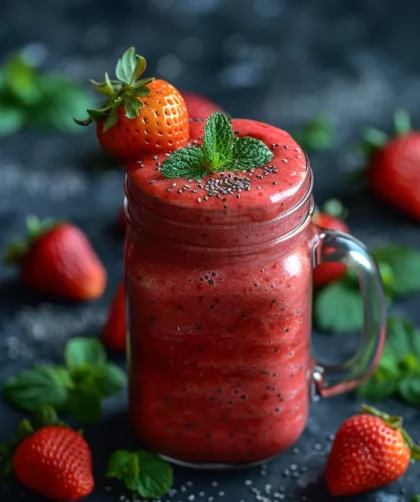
(273, 60)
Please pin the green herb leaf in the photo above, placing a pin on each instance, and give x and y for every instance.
(85, 351)
(402, 122)
(112, 380)
(12, 118)
(84, 403)
(380, 386)
(43, 385)
(126, 66)
(218, 142)
(21, 80)
(415, 498)
(156, 475)
(221, 151)
(185, 163)
(409, 389)
(132, 107)
(124, 466)
(249, 153)
(335, 207)
(338, 308)
(405, 264)
(316, 135)
(140, 92)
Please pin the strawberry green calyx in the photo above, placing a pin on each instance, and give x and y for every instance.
(374, 139)
(395, 423)
(124, 91)
(336, 208)
(35, 229)
(44, 416)
(221, 151)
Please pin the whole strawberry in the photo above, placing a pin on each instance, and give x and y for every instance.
(57, 258)
(114, 330)
(370, 450)
(53, 461)
(200, 107)
(331, 216)
(139, 116)
(394, 166)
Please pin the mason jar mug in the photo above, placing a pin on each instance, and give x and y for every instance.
(219, 319)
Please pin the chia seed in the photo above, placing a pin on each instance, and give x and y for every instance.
(284, 160)
(152, 181)
(155, 157)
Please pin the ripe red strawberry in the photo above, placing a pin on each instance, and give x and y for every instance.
(139, 116)
(328, 272)
(394, 166)
(369, 451)
(114, 331)
(58, 258)
(53, 461)
(200, 107)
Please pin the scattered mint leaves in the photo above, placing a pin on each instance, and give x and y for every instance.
(221, 151)
(142, 472)
(84, 352)
(338, 306)
(316, 134)
(78, 388)
(405, 264)
(398, 372)
(44, 385)
(43, 100)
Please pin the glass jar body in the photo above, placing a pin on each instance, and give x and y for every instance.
(219, 344)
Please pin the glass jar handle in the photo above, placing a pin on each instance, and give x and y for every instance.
(334, 246)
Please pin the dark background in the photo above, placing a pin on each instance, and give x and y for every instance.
(279, 61)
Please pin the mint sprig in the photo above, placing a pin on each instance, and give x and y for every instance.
(123, 91)
(338, 306)
(142, 472)
(221, 151)
(398, 372)
(77, 388)
(35, 98)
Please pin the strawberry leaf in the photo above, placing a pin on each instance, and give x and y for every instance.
(126, 66)
(140, 92)
(156, 475)
(218, 142)
(409, 389)
(132, 107)
(85, 352)
(111, 119)
(139, 68)
(185, 163)
(336, 208)
(402, 122)
(250, 153)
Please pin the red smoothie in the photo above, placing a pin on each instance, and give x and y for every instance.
(218, 280)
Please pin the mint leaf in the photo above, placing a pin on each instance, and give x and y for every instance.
(218, 142)
(132, 107)
(12, 118)
(124, 466)
(250, 153)
(43, 385)
(85, 351)
(415, 498)
(338, 308)
(84, 404)
(409, 389)
(126, 66)
(21, 79)
(381, 385)
(398, 341)
(156, 475)
(185, 163)
(316, 135)
(112, 380)
(405, 264)
(221, 151)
